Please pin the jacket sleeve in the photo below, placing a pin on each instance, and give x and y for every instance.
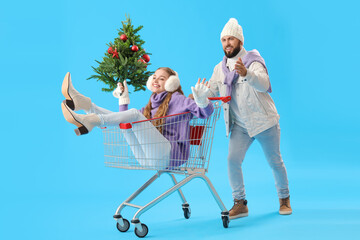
(185, 104)
(123, 107)
(214, 87)
(257, 77)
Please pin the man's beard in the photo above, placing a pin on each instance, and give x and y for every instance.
(233, 53)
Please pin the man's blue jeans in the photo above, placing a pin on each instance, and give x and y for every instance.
(269, 140)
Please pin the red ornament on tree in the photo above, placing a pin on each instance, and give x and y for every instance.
(115, 53)
(134, 48)
(143, 61)
(146, 58)
(110, 50)
(123, 37)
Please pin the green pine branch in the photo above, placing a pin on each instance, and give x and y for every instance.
(123, 64)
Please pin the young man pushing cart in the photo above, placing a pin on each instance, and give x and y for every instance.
(250, 115)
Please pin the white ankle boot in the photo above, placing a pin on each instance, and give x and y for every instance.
(85, 123)
(74, 100)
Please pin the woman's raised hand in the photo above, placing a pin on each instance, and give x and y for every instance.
(122, 93)
(200, 93)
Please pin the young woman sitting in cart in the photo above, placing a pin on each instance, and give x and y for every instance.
(169, 135)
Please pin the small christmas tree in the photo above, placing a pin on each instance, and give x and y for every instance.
(125, 59)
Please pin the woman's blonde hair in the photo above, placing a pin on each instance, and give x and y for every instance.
(164, 106)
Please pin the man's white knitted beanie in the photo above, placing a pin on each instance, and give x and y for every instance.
(232, 28)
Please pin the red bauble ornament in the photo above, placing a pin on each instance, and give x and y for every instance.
(123, 37)
(115, 54)
(146, 58)
(110, 50)
(143, 61)
(134, 48)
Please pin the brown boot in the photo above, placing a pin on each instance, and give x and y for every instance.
(239, 209)
(285, 208)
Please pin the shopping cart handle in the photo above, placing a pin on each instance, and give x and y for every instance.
(125, 125)
(223, 99)
(129, 125)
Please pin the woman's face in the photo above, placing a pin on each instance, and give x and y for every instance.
(158, 81)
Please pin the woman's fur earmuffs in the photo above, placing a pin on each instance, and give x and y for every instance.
(171, 84)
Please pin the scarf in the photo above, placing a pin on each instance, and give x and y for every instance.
(157, 98)
(248, 59)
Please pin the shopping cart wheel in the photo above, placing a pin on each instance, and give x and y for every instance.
(125, 226)
(144, 232)
(187, 212)
(225, 220)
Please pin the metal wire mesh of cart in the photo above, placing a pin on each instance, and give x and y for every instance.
(177, 143)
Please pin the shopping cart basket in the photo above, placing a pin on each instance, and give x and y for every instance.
(179, 144)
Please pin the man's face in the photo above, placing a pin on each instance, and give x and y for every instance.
(231, 46)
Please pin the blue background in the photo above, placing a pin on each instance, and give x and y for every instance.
(54, 185)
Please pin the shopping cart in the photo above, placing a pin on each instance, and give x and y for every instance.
(184, 151)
